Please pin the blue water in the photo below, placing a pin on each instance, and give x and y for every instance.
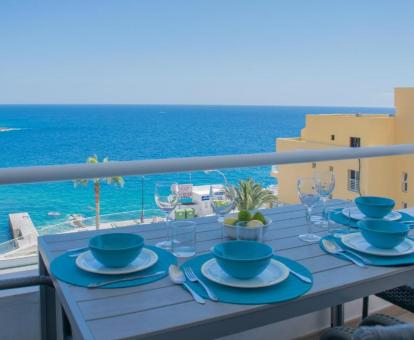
(59, 134)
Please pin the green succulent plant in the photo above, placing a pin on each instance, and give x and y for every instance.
(250, 195)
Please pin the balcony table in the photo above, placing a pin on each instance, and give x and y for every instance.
(162, 310)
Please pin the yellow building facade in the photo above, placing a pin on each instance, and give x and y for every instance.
(383, 176)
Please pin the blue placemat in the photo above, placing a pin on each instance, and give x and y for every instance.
(340, 218)
(373, 259)
(65, 269)
(289, 289)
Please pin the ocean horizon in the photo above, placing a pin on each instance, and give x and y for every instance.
(50, 134)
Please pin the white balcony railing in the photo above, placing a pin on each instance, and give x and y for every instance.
(130, 168)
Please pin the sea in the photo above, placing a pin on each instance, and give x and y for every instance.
(62, 134)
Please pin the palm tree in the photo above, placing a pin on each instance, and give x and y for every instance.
(251, 195)
(117, 180)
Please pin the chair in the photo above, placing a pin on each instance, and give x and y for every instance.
(401, 296)
(376, 326)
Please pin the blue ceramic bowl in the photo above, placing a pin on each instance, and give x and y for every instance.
(382, 233)
(116, 249)
(242, 259)
(374, 207)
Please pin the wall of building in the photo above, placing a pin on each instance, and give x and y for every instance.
(379, 176)
(372, 173)
(288, 174)
(404, 127)
(374, 130)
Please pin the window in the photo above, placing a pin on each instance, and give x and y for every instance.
(332, 137)
(404, 205)
(404, 182)
(353, 180)
(355, 142)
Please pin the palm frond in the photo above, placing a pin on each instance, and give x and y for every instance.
(117, 180)
(92, 159)
(251, 195)
(80, 181)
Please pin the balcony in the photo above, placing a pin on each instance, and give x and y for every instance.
(29, 298)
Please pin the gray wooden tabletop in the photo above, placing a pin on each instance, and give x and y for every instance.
(161, 310)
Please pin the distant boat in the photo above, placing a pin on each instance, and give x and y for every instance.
(53, 213)
(6, 129)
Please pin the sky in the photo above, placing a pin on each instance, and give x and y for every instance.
(224, 52)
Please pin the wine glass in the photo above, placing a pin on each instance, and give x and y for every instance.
(222, 199)
(166, 197)
(325, 184)
(309, 196)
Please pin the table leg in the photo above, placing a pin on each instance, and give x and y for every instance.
(337, 315)
(47, 307)
(60, 321)
(365, 306)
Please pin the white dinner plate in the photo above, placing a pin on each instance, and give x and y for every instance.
(275, 273)
(86, 261)
(357, 242)
(356, 214)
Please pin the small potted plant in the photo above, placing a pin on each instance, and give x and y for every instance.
(245, 226)
(248, 224)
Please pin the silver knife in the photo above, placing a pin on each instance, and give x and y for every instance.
(125, 279)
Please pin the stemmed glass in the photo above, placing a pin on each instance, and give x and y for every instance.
(222, 199)
(325, 184)
(166, 197)
(309, 196)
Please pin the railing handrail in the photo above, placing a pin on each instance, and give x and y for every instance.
(22, 237)
(53, 173)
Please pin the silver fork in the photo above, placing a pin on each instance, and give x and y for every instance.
(189, 273)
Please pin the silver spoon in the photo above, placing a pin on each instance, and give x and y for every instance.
(349, 251)
(333, 248)
(178, 277)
